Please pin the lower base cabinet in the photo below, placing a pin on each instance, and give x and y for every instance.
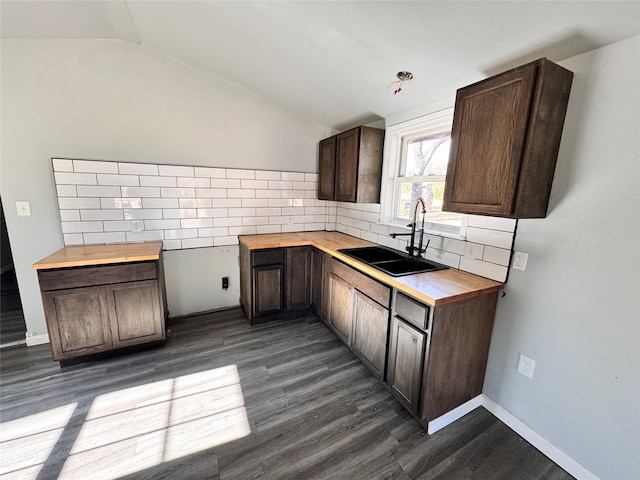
(97, 309)
(369, 333)
(340, 313)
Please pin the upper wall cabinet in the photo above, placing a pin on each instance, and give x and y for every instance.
(505, 140)
(350, 166)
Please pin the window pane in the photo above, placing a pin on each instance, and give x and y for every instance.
(427, 156)
(432, 194)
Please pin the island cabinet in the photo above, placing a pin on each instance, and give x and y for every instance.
(274, 281)
(358, 313)
(438, 355)
(99, 307)
(505, 140)
(350, 166)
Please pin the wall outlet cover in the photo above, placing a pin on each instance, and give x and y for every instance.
(23, 209)
(520, 260)
(526, 365)
(136, 225)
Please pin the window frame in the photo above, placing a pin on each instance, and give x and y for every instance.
(394, 160)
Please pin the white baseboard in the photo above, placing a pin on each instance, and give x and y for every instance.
(37, 340)
(450, 417)
(538, 441)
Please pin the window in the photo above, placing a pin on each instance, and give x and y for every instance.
(415, 166)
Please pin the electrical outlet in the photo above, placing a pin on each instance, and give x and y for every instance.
(526, 366)
(23, 209)
(520, 260)
(470, 251)
(136, 225)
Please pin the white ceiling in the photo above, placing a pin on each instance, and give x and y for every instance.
(332, 61)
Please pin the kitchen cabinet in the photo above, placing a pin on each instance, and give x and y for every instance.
(505, 140)
(350, 166)
(96, 308)
(318, 258)
(358, 313)
(406, 358)
(274, 282)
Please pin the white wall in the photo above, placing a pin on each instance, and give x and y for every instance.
(576, 309)
(109, 100)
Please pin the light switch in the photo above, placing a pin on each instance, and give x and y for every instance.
(23, 209)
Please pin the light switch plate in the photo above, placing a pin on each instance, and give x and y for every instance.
(23, 209)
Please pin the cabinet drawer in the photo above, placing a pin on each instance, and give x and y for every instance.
(61, 278)
(412, 311)
(267, 257)
(370, 287)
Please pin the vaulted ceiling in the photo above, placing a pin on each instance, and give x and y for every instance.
(332, 61)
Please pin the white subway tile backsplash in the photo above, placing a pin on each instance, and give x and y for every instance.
(210, 172)
(292, 211)
(362, 225)
(81, 227)
(310, 194)
(370, 217)
(197, 242)
(120, 203)
(355, 232)
(255, 220)
(66, 190)
(121, 180)
(485, 269)
(196, 182)
(226, 202)
(179, 213)
(102, 214)
(146, 236)
(109, 237)
(196, 223)
(372, 237)
(158, 182)
(173, 234)
(160, 203)
(94, 191)
(267, 175)
(153, 192)
(222, 241)
(238, 173)
(71, 215)
(195, 203)
(292, 194)
(138, 169)
(240, 193)
(210, 193)
(268, 229)
(243, 230)
(314, 210)
(312, 227)
(172, 244)
(175, 171)
(254, 184)
(440, 256)
(212, 212)
(70, 203)
(293, 176)
(267, 193)
(142, 214)
(280, 185)
(227, 222)
(92, 166)
(254, 202)
(62, 165)
(454, 246)
(268, 212)
(178, 192)
(65, 178)
(163, 224)
(493, 238)
(242, 212)
(310, 177)
(280, 202)
(73, 239)
(225, 183)
(501, 256)
(213, 232)
(117, 226)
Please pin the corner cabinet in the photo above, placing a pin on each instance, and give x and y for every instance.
(505, 140)
(350, 166)
(98, 308)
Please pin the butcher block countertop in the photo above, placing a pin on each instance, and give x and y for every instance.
(434, 288)
(84, 255)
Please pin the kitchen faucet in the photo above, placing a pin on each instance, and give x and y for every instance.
(411, 248)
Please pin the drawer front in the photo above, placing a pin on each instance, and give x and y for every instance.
(61, 278)
(267, 257)
(370, 287)
(412, 311)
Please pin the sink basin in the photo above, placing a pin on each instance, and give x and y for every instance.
(390, 261)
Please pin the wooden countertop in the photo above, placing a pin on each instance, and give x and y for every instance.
(84, 255)
(434, 288)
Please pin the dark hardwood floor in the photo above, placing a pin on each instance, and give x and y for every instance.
(223, 400)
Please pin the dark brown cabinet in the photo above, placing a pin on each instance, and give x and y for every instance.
(350, 166)
(317, 280)
(369, 332)
(406, 358)
(99, 308)
(274, 281)
(505, 140)
(340, 307)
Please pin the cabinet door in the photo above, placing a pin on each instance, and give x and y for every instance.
(135, 315)
(77, 321)
(340, 308)
(317, 262)
(406, 358)
(268, 292)
(347, 151)
(297, 281)
(326, 168)
(487, 140)
(369, 338)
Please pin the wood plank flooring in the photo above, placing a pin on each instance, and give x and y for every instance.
(223, 400)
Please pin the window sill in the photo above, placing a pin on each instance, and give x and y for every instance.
(428, 231)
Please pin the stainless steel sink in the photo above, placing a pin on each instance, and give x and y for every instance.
(390, 261)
